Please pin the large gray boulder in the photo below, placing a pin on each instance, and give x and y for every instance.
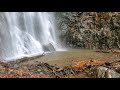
(103, 72)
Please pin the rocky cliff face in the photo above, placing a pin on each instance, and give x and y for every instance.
(91, 30)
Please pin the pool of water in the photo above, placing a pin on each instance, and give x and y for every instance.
(63, 58)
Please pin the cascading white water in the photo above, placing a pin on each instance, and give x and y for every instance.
(26, 33)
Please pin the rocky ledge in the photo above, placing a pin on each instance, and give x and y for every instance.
(81, 69)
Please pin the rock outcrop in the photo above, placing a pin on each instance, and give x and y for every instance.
(92, 30)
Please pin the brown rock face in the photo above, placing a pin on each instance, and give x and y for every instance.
(92, 30)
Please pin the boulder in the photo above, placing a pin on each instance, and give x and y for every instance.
(48, 47)
(103, 72)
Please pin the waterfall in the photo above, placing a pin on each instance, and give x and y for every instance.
(27, 34)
